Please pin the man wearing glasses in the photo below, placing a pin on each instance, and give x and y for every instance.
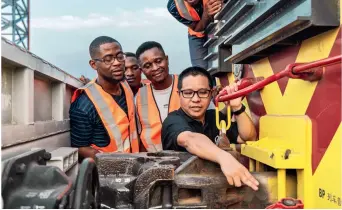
(192, 128)
(102, 113)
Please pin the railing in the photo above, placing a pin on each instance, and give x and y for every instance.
(35, 101)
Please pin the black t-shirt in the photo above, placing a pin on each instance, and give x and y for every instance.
(121, 101)
(178, 121)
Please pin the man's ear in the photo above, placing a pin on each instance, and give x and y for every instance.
(92, 64)
(167, 59)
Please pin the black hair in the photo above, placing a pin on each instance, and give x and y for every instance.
(130, 54)
(96, 43)
(147, 46)
(194, 71)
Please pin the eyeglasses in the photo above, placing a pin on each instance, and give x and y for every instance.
(201, 93)
(109, 59)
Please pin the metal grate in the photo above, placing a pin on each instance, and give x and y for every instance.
(15, 21)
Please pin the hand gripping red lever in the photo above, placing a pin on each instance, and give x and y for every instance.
(305, 71)
(244, 82)
(223, 126)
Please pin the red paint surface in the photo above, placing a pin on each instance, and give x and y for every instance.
(325, 108)
(256, 106)
(224, 81)
(279, 61)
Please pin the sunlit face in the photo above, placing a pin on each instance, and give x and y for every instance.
(155, 65)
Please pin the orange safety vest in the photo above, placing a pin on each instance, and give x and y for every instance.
(188, 12)
(120, 127)
(149, 115)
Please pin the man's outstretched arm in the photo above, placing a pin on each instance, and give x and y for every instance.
(203, 147)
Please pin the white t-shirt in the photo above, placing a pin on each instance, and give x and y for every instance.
(162, 98)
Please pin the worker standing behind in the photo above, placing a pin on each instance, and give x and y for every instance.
(192, 128)
(154, 101)
(133, 72)
(102, 113)
(196, 15)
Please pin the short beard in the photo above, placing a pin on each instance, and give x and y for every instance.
(112, 80)
(136, 86)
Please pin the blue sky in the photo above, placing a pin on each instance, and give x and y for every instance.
(62, 30)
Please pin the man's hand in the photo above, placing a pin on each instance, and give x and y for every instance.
(213, 6)
(216, 91)
(84, 79)
(200, 145)
(235, 103)
(235, 172)
(85, 152)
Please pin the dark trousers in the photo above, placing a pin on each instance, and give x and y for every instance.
(197, 51)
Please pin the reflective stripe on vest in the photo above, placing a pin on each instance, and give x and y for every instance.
(149, 115)
(133, 133)
(188, 12)
(121, 128)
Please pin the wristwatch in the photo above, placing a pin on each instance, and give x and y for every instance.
(238, 112)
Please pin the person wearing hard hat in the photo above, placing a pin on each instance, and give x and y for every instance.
(196, 15)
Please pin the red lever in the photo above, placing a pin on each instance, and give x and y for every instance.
(295, 71)
(244, 82)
